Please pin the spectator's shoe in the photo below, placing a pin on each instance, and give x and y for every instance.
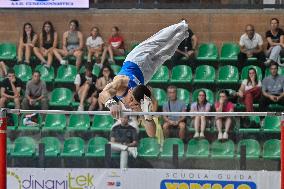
(196, 135)
(80, 108)
(220, 136)
(225, 136)
(63, 62)
(267, 62)
(201, 135)
(132, 151)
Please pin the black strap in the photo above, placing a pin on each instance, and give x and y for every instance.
(169, 104)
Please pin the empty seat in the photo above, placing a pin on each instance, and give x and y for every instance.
(228, 74)
(198, 148)
(66, 74)
(167, 151)
(8, 52)
(252, 148)
(221, 149)
(24, 72)
(96, 147)
(73, 147)
(102, 123)
(61, 97)
(271, 149)
(52, 146)
(46, 74)
(148, 148)
(207, 52)
(79, 122)
(161, 75)
(115, 68)
(272, 124)
(183, 95)
(181, 74)
(204, 74)
(160, 95)
(229, 52)
(54, 122)
(24, 147)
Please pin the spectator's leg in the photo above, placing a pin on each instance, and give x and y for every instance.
(39, 54)
(93, 104)
(175, 58)
(202, 125)
(228, 124)
(248, 101)
(260, 57)
(58, 53)
(275, 53)
(28, 53)
(44, 103)
(242, 57)
(3, 101)
(78, 55)
(264, 103)
(90, 54)
(219, 127)
(196, 126)
(103, 58)
(3, 69)
(166, 129)
(97, 56)
(110, 51)
(181, 126)
(83, 92)
(17, 103)
(25, 104)
(49, 58)
(20, 53)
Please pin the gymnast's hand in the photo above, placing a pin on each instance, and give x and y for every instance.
(115, 111)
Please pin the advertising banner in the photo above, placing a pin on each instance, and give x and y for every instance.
(44, 4)
(52, 178)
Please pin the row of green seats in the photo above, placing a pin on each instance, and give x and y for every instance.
(147, 148)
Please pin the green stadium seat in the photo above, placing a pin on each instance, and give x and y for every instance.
(207, 52)
(204, 74)
(134, 44)
(8, 52)
(167, 151)
(47, 74)
(61, 97)
(228, 74)
(96, 70)
(244, 73)
(209, 95)
(183, 95)
(9, 148)
(73, 147)
(181, 74)
(79, 122)
(271, 124)
(15, 119)
(229, 52)
(24, 72)
(96, 147)
(271, 149)
(253, 120)
(52, 146)
(252, 148)
(102, 123)
(161, 75)
(54, 122)
(197, 148)
(280, 71)
(66, 74)
(119, 58)
(148, 148)
(223, 150)
(160, 95)
(23, 127)
(24, 147)
(115, 68)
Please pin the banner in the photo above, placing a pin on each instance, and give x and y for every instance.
(44, 4)
(52, 178)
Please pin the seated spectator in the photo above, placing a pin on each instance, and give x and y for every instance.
(86, 88)
(124, 138)
(223, 105)
(200, 121)
(48, 40)
(275, 38)
(115, 46)
(3, 69)
(105, 77)
(250, 90)
(272, 89)
(72, 44)
(187, 48)
(251, 45)
(11, 90)
(27, 42)
(174, 105)
(95, 44)
(35, 92)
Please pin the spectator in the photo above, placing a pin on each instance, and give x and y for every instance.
(275, 38)
(251, 45)
(200, 121)
(105, 77)
(174, 105)
(11, 90)
(272, 88)
(72, 44)
(27, 42)
(95, 44)
(187, 47)
(35, 92)
(115, 46)
(3, 69)
(48, 40)
(250, 90)
(86, 88)
(124, 138)
(223, 105)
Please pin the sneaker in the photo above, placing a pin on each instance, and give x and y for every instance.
(80, 108)
(196, 135)
(111, 61)
(133, 151)
(220, 136)
(201, 135)
(267, 62)
(225, 136)
(63, 62)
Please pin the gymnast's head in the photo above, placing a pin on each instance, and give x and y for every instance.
(134, 96)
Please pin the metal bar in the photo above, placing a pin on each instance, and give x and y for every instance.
(238, 114)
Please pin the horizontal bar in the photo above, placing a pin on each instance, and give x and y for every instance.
(238, 114)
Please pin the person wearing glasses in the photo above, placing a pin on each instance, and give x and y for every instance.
(251, 45)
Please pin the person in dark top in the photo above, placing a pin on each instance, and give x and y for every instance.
(186, 48)
(275, 38)
(86, 88)
(47, 42)
(124, 138)
(10, 90)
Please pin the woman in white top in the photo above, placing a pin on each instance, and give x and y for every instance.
(94, 44)
(250, 89)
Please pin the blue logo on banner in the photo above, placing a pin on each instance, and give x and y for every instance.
(208, 184)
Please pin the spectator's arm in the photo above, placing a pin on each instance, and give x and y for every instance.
(99, 85)
(77, 82)
(194, 42)
(281, 96)
(55, 40)
(34, 40)
(41, 41)
(81, 41)
(258, 49)
(16, 90)
(64, 41)
(182, 118)
(271, 43)
(181, 52)
(133, 144)
(43, 92)
(21, 42)
(3, 94)
(243, 49)
(264, 93)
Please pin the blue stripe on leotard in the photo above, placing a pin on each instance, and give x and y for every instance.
(134, 73)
